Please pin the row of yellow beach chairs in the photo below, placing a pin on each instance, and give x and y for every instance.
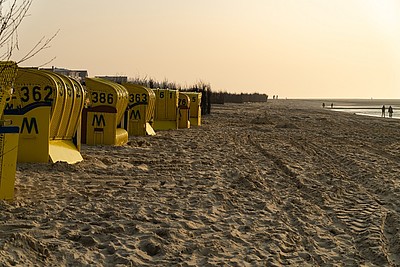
(47, 116)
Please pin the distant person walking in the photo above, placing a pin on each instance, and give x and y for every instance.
(332, 105)
(383, 111)
(390, 111)
(323, 105)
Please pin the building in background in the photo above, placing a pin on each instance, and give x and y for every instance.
(78, 75)
(116, 79)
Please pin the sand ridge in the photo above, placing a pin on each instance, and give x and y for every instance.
(262, 184)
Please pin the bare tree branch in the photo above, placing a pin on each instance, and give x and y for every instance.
(10, 20)
(40, 45)
(12, 13)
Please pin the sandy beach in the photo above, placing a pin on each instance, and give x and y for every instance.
(259, 184)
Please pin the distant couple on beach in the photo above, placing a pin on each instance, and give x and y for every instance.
(323, 105)
(390, 111)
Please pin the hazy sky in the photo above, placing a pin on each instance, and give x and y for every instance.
(293, 48)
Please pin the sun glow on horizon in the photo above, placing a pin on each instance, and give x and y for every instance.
(384, 15)
(302, 48)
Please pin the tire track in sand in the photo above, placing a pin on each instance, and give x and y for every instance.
(354, 206)
(302, 215)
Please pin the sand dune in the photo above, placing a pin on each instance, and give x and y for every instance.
(266, 184)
